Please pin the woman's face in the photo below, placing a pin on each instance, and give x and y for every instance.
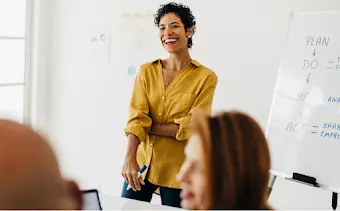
(192, 176)
(172, 33)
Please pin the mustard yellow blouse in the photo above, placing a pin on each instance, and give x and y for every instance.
(193, 87)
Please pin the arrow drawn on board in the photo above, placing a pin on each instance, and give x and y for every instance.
(301, 111)
(308, 79)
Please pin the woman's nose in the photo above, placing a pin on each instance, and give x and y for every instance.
(167, 31)
(182, 175)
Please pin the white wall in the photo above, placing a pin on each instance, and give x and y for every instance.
(85, 100)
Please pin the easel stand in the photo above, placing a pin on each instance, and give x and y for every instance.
(307, 180)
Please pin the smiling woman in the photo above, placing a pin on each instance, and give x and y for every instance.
(183, 18)
(164, 95)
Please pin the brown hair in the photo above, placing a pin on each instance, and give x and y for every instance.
(237, 160)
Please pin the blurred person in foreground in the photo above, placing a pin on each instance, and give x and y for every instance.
(30, 177)
(227, 164)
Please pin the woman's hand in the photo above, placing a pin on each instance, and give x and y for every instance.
(130, 172)
(154, 127)
(131, 167)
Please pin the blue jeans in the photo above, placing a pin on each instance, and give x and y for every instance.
(169, 196)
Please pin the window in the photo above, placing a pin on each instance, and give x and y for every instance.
(12, 65)
(12, 107)
(12, 58)
(12, 18)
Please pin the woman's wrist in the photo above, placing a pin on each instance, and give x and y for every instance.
(154, 128)
(130, 155)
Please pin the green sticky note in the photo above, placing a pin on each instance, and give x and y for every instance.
(131, 70)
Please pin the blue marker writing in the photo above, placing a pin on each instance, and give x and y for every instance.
(140, 172)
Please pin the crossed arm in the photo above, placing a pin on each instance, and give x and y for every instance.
(180, 128)
(167, 130)
(140, 124)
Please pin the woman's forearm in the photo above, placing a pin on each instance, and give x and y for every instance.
(133, 143)
(167, 130)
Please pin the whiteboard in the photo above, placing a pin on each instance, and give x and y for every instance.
(304, 123)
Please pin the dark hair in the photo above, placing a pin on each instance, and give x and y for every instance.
(182, 11)
(237, 159)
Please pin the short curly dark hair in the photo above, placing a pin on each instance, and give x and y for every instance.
(182, 11)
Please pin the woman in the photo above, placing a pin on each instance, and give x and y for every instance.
(165, 92)
(227, 164)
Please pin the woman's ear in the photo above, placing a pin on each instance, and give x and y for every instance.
(190, 32)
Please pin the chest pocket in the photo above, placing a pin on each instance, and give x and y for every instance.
(182, 104)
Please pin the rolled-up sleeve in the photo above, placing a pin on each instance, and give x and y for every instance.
(203, 101)
(139, 122)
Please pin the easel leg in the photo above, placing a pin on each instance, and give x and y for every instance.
(334, 200)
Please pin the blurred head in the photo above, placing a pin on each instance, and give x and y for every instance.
(176, 26)
(227, 164)
(30, 176)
